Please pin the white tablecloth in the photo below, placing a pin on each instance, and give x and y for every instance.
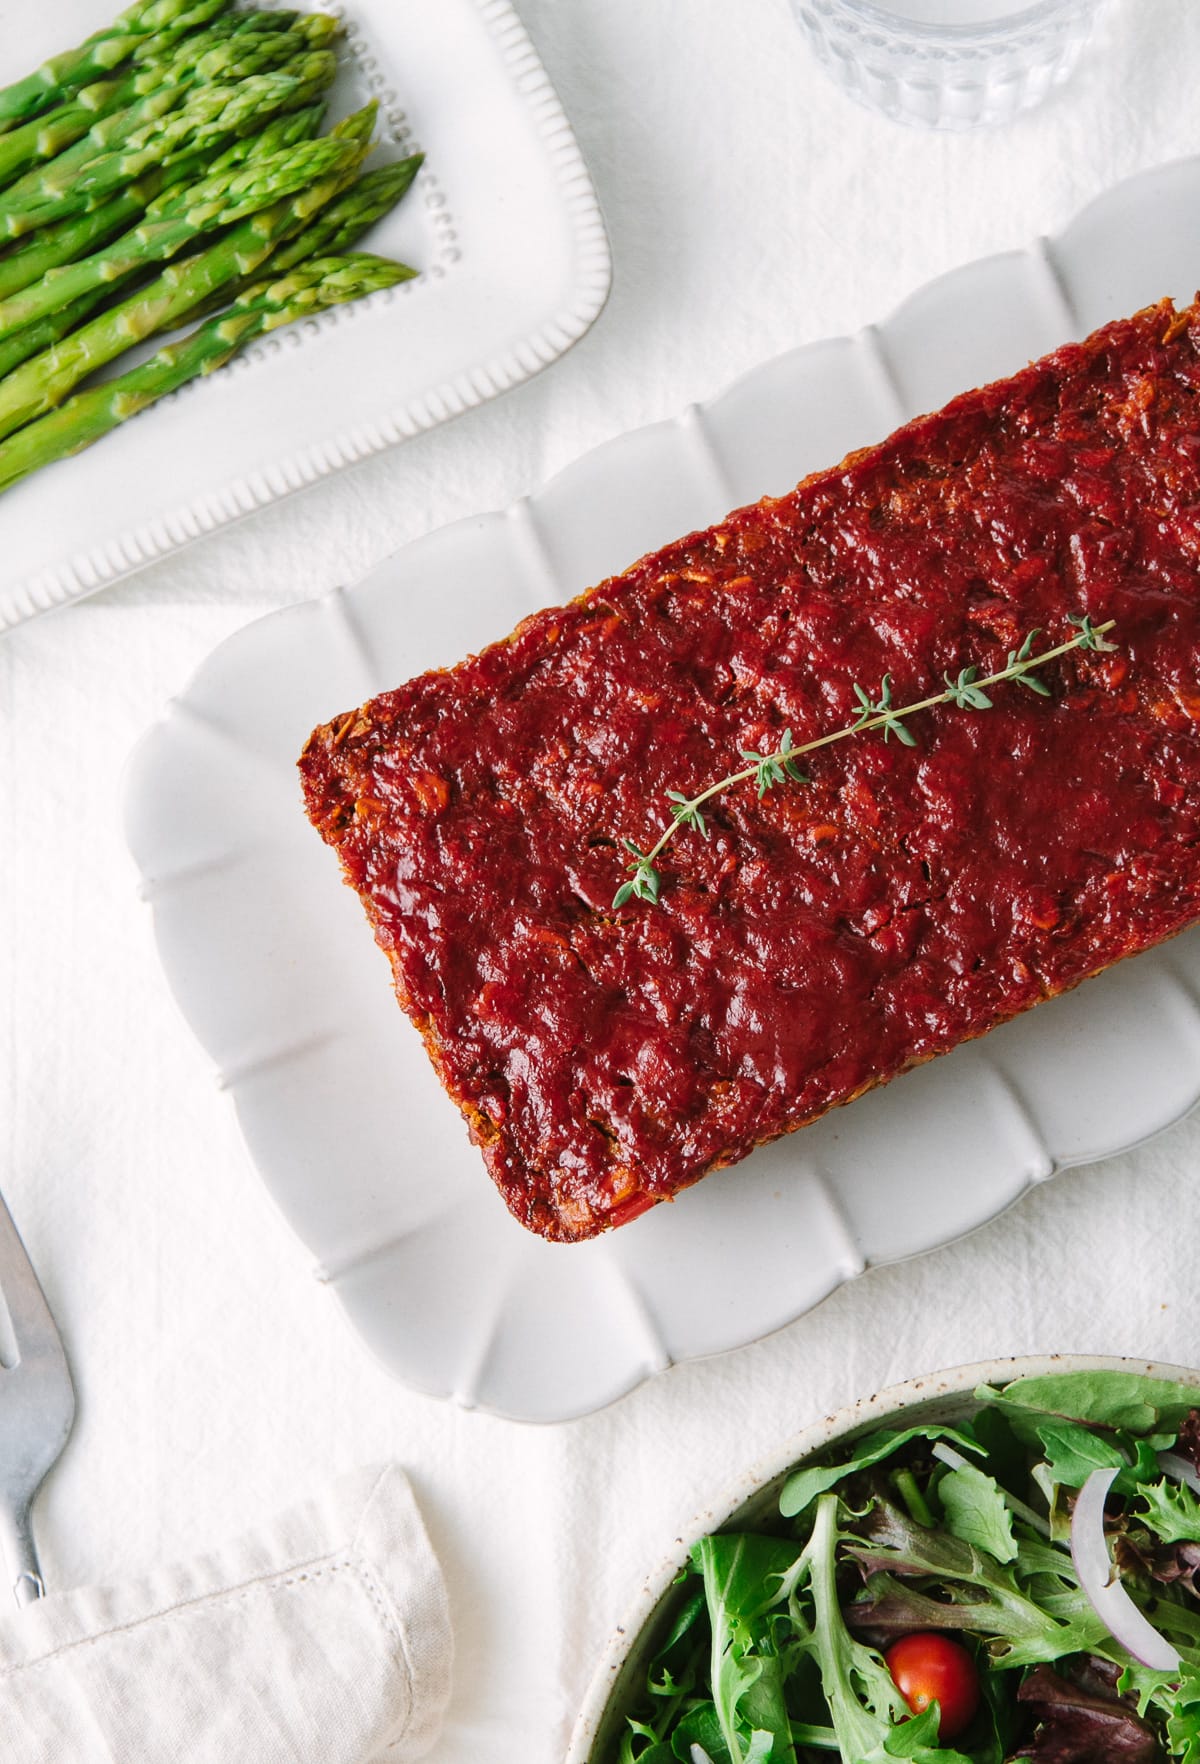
(751, 207)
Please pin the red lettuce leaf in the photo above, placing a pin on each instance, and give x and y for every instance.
(1083, 1722)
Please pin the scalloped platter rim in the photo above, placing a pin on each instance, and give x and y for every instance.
(270, 960)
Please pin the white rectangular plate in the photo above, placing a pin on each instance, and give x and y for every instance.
(502, 223)
(274, 966)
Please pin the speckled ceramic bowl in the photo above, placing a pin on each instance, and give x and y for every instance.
(942, 1396)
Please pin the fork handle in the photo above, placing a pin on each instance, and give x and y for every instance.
(20, 1555)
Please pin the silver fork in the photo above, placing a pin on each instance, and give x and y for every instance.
(37, 1407)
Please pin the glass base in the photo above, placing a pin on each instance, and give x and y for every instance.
(936, 64)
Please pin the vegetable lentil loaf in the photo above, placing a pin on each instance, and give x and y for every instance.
(826, 938)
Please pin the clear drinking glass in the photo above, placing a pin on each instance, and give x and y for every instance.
(947, 64)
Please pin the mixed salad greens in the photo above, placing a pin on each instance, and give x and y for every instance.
(1019, 1585)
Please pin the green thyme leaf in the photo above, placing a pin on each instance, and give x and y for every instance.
(1089, 637)
(868, 709)
(893, 726)
(769, 770)
(686, 812)
(1034, 685)
(966, 691)
(646, 881)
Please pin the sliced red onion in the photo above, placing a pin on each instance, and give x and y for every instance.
(948, 1455)
(1108, 1598)
(1171, 1464)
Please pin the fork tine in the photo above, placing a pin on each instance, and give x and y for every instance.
(37, 1408)
(33, 1324)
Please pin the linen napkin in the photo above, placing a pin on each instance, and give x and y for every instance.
(324, 1638)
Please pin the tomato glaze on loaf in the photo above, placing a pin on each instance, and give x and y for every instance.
(836, 932)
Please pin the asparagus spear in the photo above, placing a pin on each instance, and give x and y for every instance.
(232, 49)
(273, 73)
(76, 235)
(46, 379)
(338, 226)
(287, 130)
(79, 234)
(174, 223)
(35, 338)
(350, 215)
(280, 132)
(213, 56)
(206, 120)
(105, 131)
(47, 136)
(143, 30)
(88, 416)
(229, 24)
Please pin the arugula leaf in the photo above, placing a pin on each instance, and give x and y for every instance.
(1042, 1620)
(1171, 1510)
(801, 1489)
(1122, 1400)
(765, 1665)
(1006, 1456)
(701, 1726)
(864, 1704)
(1072, 1452)
(688, 1614)
(872, 1722)
(887, 1608)
(670, 1678)
(808, 1734)
(997, 1716)
(976, 1512)
(917, 1738)
(656, 1751)
(743, 1575)
(1183, 1723)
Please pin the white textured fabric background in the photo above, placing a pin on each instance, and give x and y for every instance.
(751, 208)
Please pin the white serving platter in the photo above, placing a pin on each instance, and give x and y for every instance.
(274, 967)
(502, 223)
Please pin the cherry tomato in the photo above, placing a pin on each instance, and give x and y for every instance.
(929, 1667)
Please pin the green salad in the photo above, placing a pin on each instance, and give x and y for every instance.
(1019, 1585)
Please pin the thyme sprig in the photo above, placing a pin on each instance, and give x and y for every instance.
(966, 692)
